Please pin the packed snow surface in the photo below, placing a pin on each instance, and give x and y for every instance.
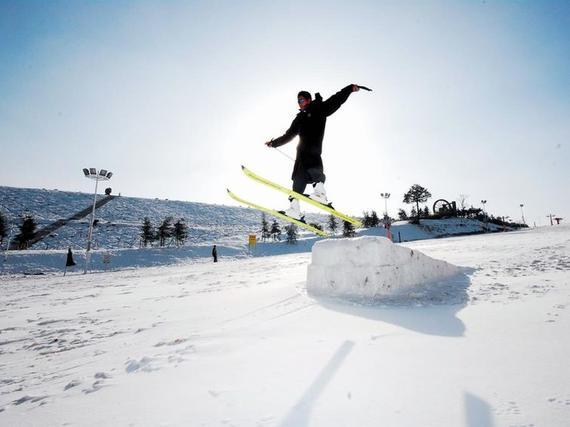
(370, 268)
(241, 343)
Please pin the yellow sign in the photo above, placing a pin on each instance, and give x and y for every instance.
(252, 240)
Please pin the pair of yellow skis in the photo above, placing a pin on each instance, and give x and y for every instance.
(298, 196)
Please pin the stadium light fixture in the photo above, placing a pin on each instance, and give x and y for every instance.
(102, 175)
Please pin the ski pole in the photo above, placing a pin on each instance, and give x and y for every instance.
(285, 154)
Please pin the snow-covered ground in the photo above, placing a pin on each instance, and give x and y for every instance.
(241, 343)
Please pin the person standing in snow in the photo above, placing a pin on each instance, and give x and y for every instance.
(215, 253)
(309, 124)
(69, 261)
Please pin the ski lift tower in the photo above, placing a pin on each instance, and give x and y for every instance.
(102, 175)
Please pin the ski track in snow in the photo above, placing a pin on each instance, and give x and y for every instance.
(62, 336)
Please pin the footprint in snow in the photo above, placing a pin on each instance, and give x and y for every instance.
(559, 401)
(71, 384)
(96, 386)
(145, 365)
(102, 376)
(509, 408)
(170, 343)
(31, 399)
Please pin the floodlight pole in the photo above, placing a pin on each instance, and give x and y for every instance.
(90, 234)
(522, 213)
(385, 196)
(102, 175)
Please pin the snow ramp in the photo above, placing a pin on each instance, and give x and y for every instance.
(372, 268)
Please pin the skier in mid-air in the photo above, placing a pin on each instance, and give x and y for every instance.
(309, 124)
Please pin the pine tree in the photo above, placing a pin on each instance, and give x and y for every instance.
(275, 230)
(264, 227)
(27, 231)
(148, 234)
(291, 231)
(374, 220)
(366, 220)
(165, 230)
(3, 228)
(402, 215)
(348, 229)
(180, 232)
(426, 212)
(417, 194)
(333, 224)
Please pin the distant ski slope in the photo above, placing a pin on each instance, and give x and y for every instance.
(120, 220)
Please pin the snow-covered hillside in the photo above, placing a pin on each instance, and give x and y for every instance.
(117, 234)
(120, 220)
(241, 343)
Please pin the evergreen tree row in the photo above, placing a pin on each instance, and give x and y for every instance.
(424, 213)
(370, 220)
(292, 231)
(266, 232)
(165, 232)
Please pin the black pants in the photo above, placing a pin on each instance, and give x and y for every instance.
(300, 181)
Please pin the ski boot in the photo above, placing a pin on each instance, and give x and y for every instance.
(294, 210)
(319, 194)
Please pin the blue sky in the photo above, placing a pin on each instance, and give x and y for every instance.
(469, 98)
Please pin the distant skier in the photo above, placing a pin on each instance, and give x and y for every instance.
(69, 262)
(215, 253)
(309, 124)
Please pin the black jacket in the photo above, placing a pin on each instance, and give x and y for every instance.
(309, 124)
(69, 262)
